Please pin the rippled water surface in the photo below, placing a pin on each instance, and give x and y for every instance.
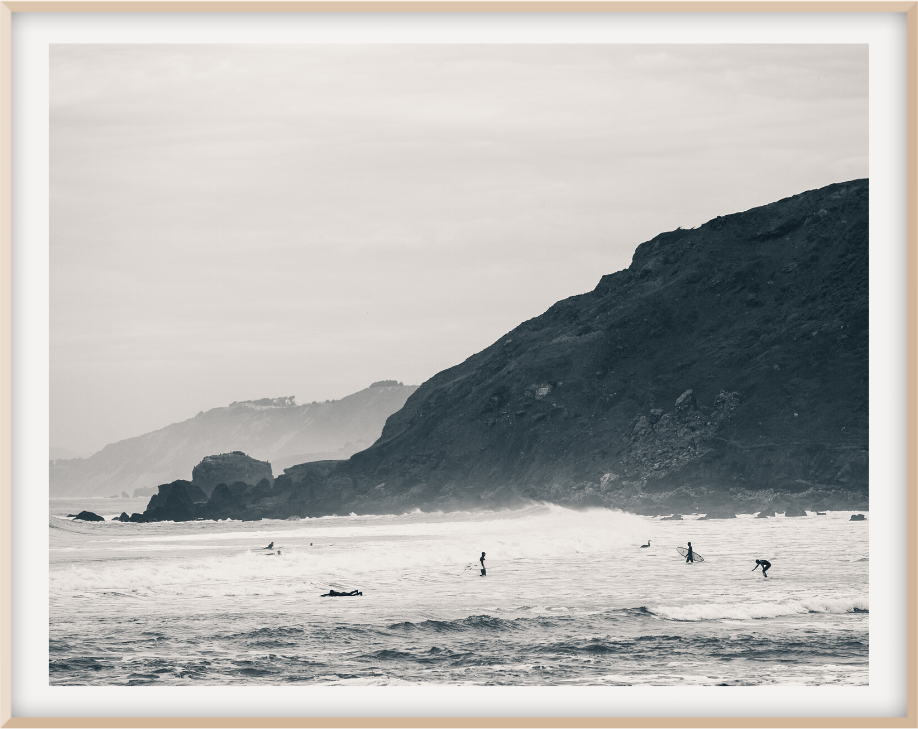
(569, 598)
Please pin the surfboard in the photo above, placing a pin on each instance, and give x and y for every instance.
(684, 552)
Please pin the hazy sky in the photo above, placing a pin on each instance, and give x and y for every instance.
(236, 222)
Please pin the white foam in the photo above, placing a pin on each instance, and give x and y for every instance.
(753, 610)
(395, 545)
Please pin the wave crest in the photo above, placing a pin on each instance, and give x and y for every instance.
(748, 611)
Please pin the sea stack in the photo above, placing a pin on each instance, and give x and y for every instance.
(228, 468)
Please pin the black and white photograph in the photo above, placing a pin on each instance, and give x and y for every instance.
(459, 365)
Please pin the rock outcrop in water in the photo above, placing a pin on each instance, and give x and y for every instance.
(229, 468)
(88, 516)
(176, 501)
(726, 367)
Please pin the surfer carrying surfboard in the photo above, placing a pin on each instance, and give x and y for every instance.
(764, 564)
(690, 554)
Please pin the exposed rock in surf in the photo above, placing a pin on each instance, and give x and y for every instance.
(88, 516)
(228, 468)
(674, 517)
(175, 501)
(794, 511)
(857, 517)
(765, 514)
(123, 517)
(226, 502)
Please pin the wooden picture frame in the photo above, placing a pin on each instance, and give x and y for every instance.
(9, 10)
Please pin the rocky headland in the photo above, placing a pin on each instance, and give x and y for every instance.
(724, 372)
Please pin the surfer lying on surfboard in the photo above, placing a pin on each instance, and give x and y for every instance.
(335, 593)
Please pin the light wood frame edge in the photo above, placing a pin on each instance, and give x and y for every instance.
(7, 9)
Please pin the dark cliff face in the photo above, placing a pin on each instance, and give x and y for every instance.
(763, 315)
(724, 371)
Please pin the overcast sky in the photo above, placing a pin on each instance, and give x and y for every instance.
(236, 222)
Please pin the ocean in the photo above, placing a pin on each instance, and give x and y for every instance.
(570, 598)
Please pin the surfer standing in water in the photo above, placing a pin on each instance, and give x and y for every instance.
(765, 564)
(481, 559)
(690, 557)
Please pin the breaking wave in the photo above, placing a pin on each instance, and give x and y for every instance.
(751, 611)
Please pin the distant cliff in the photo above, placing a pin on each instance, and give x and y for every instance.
(270, 429)
(725, 369)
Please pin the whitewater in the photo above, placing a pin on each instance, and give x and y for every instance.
(569, 598)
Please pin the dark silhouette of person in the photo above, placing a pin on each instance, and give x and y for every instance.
(690, 557)
(481, 559)
(644, 546)
(335, 593)
(270, 546)
(764, 564)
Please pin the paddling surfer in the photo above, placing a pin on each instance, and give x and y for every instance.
(764, 564)
(335, 593)
(690, 557)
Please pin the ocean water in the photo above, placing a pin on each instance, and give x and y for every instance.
(569, 598)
